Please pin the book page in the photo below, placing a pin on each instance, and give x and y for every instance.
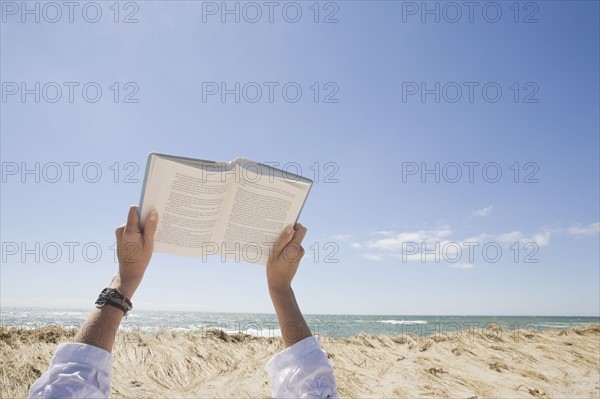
(258, 210)
(189, 201)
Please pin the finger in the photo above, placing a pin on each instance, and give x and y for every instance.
(283, 240)
(119, 232)
(292, 253)
(150, 226)
(300, 232)
(133, 220)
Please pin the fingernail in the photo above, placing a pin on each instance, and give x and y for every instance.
(153, 215)
(289, 229)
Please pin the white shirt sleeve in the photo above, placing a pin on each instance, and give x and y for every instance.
(76, 371)
(302, 371)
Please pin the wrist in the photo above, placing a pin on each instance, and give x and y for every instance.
(278, 291)
(127, 286)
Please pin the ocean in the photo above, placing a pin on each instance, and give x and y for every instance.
(265, 325)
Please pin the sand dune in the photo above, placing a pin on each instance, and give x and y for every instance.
(551, 363)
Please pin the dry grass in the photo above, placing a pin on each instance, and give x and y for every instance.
(552, 363)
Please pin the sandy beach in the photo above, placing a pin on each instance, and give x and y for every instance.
(473, 364)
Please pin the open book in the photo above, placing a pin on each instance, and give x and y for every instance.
(236, 209)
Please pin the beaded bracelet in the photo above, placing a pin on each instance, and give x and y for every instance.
(114, 297)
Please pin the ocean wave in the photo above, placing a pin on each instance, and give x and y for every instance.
(401, 321)
(562, 325)
(265, 332)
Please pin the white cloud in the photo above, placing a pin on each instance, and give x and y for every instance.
(341, 237)
(386, 233)
(513, 236)
(478, 238)
(541, 238)
(592, 229)
(373, 257)
(396, 242)
(440, 244)
(483, 211)
(408, 257)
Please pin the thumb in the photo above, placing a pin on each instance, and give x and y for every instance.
(150, 226)
(132, 225)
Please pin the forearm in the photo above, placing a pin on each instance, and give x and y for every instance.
(100, 328)
(303, 368)
(83, 371)
(291, 322)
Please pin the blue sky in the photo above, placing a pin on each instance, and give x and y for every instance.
(361, 136)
